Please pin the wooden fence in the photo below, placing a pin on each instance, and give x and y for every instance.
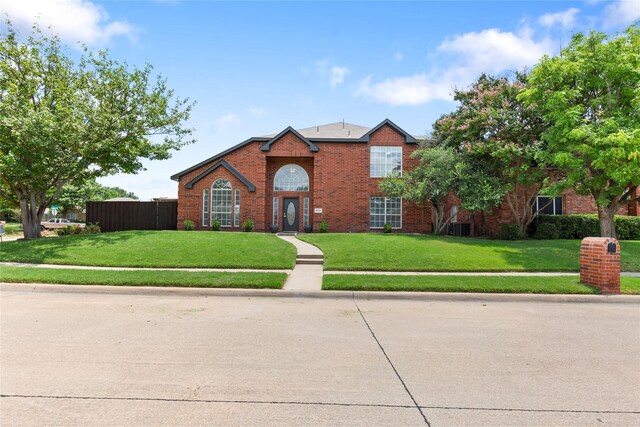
(120, 216)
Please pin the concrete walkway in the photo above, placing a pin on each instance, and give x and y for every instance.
(307, 274)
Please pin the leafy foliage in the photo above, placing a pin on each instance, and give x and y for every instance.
(247, 225)
(581, 226)
(590, 95)
(546, 231)
(498, 137)
(75, 196)
(510, 232)
(323, 227)
(63, 122)
(189, 225)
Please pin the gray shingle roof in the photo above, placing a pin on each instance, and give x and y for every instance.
(338, 130)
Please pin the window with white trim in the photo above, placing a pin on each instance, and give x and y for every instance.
(453, 213)
(221, 202)
(384, 161)
(236, 209)
(205, 208)
(385, 210)
(291, 178)
(275, 210)
(544, 205)
(305, 211)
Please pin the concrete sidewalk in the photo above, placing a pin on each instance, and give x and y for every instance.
(307, 274)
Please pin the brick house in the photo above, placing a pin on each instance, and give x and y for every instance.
(298, 178)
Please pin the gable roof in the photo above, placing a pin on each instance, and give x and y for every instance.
(222, 164)
(332, 132)
(312, 147)
(408, 139)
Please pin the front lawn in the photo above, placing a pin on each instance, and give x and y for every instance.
(13, 228)
(157, 249)
(142, 278)
(497, 284)
(402, 252)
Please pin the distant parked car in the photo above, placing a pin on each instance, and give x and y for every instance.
(55, 223)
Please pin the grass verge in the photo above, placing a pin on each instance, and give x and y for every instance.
(143, 278)
(497, 284)
(403, 252)
(157, 249)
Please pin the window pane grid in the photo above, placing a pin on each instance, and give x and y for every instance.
(291, 178)
(275, 211)
(236, 209)
(305, 211)
(221, 202)
(385, 161)
(205, 208)
(385, 210)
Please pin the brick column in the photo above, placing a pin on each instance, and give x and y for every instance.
(598, 267)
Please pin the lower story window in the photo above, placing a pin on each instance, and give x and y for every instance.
(205, 208)
(236, 209)
(275, 211)
(547, 205)
(385, 210)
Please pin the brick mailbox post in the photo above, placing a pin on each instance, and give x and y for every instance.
(600, 264)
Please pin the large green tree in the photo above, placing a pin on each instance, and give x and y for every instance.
(68, 122)
(501, 137)
(590, 95)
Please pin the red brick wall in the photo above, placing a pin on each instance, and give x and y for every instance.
(598, 267)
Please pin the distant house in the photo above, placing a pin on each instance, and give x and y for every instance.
(300, 177)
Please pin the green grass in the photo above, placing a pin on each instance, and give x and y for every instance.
(498, 284)
(13, 228)
(398, 252)
(157, 249)
(142, 278)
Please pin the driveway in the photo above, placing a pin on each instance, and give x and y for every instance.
(115, 359)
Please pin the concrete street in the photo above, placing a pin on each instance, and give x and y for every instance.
(127, 359)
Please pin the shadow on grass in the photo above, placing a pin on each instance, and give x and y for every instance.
(41, 250)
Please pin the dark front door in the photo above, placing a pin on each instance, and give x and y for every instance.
(290, 214)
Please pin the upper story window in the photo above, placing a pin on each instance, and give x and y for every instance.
(291, 178)
(385, 161)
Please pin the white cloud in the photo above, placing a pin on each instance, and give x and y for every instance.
(337, 75)
(73, 20)
(565, 19)
(224, 122)
(466, 56)
(621, 13)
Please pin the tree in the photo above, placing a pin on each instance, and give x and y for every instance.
(74, 196)
(63, 122)
(590, 95)
(431, 180)
(500, 136)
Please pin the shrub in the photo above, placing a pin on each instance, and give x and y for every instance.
(387, 228)
(247, 225)
(546, 232)
(215, 224)
(510, 232)
(189, 225)
(68, 230)
(91, 229)
(581, 226)
(323, 227)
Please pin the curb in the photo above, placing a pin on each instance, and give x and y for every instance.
(273, 293)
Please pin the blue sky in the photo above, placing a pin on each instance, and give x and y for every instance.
(255, 68)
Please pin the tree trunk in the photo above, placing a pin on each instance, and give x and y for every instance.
(30, 220)
(607, 225)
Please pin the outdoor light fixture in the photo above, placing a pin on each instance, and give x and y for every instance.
(611, 248)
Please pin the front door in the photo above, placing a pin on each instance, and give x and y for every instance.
(290, 214)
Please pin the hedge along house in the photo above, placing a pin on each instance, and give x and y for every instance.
(298, 178)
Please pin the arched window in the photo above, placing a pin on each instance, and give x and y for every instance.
(221, 202)
(291, 178)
